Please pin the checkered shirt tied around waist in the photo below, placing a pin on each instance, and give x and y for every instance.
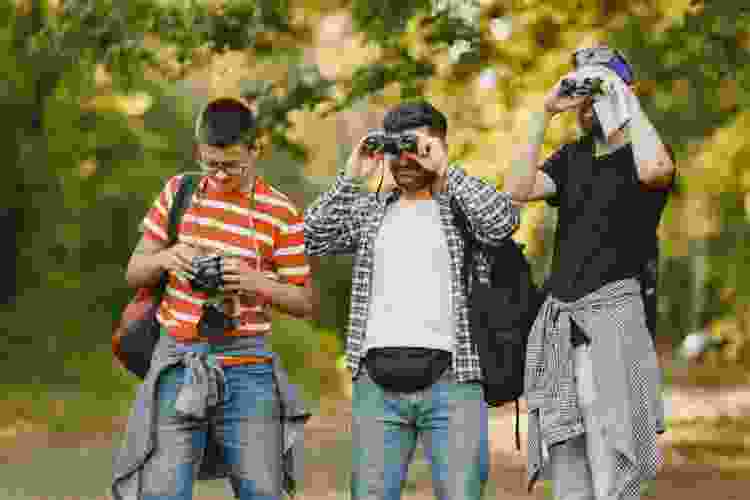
(625, 373)
(346, 220)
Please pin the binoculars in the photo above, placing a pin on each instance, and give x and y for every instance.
(571, 87)
(381, 142)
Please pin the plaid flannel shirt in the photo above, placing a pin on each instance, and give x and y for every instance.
(346, 219)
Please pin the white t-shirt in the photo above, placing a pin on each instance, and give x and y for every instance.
(411, 305)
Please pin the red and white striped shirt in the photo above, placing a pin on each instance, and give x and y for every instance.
(223, 222)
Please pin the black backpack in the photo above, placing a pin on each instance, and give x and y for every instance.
(501, 314)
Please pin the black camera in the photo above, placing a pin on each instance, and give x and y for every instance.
(214, 322)
(208, 273)
(571, 87)
(381, 142)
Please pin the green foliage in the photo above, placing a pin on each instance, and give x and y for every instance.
(384, 20)
(703, 49)
(305, 89)
(373, 78)
(80, 174)
(387, 24)
(116, 31)
(83, 174)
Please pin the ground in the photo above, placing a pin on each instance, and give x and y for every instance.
(706, 450)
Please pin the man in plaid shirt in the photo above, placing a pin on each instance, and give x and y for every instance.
(415, 369)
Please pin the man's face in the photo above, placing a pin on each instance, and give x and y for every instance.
(227, 166)
(407, 172)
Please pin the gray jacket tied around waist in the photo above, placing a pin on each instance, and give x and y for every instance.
(203, 391)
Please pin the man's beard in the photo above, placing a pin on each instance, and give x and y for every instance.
(424, 178)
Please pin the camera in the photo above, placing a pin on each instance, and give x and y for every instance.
(381, 142)
(214, 322)
(208, 273)
(208, 276)
(588, 86)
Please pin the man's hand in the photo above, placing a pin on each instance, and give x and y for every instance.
(178, 258)
(360, 164)
(240, 277)
(554, 103)
(432, 155)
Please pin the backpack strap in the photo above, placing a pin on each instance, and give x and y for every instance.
(179, 206)
(462, 224)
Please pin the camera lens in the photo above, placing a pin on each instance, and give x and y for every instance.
(408, 143)
(373, 144)
(567, 87)
(208, 274)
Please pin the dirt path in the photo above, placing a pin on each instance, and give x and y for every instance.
(679, 479)
(327, 439)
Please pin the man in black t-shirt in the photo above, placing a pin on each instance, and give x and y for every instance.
(610, 186)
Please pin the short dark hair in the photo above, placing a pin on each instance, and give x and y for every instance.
(414, 115)
(225, 122)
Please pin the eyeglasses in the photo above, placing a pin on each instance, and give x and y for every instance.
(605, 56)
(231, 167)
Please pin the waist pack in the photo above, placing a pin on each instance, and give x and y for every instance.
(501, 314)
(137, 333)
(406, 369)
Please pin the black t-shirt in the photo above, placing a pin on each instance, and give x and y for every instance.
(607, 219)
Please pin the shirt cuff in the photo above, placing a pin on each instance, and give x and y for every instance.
(351, 181)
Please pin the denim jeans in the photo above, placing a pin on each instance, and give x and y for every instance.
(246, 425)
(583, 468)
(449, 418)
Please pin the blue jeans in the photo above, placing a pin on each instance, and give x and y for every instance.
(246, 424)
(450, 418)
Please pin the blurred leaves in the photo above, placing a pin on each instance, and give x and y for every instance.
(304, 89)
(100, 95)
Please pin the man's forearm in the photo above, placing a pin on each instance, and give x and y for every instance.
(522, 176)
(144, 270)
(328, 221)
(296, 300)
(655, 167)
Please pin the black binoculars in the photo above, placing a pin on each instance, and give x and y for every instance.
(571, 87)
(381, 142)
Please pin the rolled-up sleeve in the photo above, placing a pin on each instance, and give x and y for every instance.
(332, 223)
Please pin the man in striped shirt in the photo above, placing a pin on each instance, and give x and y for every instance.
(258, 232)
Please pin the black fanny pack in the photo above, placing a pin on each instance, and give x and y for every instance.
(406, 369)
